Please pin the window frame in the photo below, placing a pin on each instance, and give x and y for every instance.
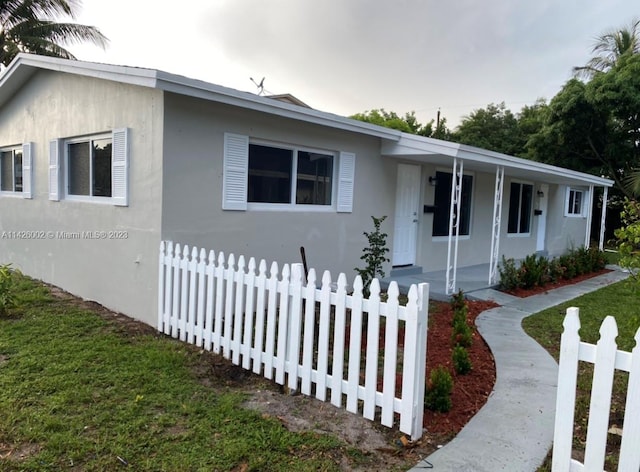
(519, 234)
(568, 211)
(13, 150)
(67, 168)
(292, 205)
(59, 165)
(461, 236)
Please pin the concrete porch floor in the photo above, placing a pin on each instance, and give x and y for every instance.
(468, 279)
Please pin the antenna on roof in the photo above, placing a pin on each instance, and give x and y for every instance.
(259, 85)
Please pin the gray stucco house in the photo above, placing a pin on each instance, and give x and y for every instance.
(99, 163)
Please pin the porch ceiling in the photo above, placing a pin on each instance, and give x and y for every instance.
(441, 153)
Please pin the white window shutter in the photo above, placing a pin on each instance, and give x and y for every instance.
(120, 167)
(27, 172)
(235, 172)
(54, 170)
(346, 179)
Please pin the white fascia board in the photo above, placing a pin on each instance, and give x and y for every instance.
(412, 145)
(483, 155)
(217, 93)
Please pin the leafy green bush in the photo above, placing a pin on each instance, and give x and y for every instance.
(628, 238)
(537, 271)
(7, 295)
(509, 276)
(438, 394)
(461, 361)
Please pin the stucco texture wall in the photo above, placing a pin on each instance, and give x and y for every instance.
(564, 232)
(192, 198)
(118, 273)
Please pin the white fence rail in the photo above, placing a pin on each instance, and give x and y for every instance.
(606, 359)
(310, 338)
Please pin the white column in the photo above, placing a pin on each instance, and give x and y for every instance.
(587, 236)
(454, 225)
(495, 232)
(604, 217)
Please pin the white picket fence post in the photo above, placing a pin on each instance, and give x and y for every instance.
(289, 330)
(606, 359)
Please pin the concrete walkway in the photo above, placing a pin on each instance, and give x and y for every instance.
(514, 430)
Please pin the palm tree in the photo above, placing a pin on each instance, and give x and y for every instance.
(609, 47)
(29, 26)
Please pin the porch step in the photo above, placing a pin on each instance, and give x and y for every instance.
(405, 270)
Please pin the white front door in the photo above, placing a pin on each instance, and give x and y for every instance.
(543, 199)
(405, 233)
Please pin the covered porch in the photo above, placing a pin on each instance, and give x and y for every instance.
(513, 207)
(469, 279)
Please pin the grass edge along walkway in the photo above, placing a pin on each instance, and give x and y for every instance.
(620, 300)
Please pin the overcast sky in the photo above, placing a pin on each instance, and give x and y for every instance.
(348, 56)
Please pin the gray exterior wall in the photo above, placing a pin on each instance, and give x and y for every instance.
(564, 232)
(192, 189)
(120, 274)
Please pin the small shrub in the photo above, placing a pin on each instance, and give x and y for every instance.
(462, 334)
(460, 315)
(461, 361)
(7, 295)
(438, 394)
(458, 301)
(509, 276)
(374, 255)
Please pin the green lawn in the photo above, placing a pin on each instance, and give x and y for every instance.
(78, 392)
(620, 300)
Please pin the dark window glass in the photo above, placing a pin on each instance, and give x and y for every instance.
(443, 204)
(6, 171)
(269, 174)
(520, 203)
(525, 208)
(79, 169)
(313, 179)
(17, 171)
(102, 168)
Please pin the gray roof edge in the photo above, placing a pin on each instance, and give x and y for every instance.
(199, 88)
(166, 81)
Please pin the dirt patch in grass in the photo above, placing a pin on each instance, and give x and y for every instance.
(18, 452)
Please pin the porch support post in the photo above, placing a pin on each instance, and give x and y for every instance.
(587, 236)
(454, 211)
(603, 219)
(495, 231)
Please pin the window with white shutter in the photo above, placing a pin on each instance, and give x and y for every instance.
(264, 176)
(93, 169)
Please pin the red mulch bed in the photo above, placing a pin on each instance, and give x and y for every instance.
(523, 293)
(470, 391)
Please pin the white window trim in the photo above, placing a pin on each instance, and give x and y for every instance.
(236, 171)
(59, 166)
(23, 148)
(583, 200)
(533, 194)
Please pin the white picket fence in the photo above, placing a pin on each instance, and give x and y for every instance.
(293, 332)
(607, 358)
